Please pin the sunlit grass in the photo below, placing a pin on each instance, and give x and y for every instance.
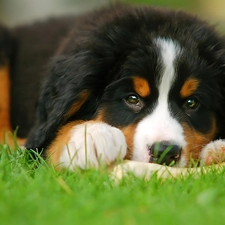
(32, 192)
(185, 4)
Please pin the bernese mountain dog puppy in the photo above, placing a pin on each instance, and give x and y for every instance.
(123, 82)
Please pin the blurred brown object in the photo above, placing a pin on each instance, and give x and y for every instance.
(213, 10)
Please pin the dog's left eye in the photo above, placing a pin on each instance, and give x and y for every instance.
(134, 102)
(191, 104)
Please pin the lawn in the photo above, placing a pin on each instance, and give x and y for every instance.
(185, 4)
(35, 193)
(32, 192)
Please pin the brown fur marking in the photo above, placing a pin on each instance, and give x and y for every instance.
(189, 87)
(196, 141)
(141, 86)
(83, 96)
(129, 132)
(100, 116)
(6, 132)
(62, 139)
(4, 100)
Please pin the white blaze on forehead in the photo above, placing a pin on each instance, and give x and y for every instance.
(160, 125)
(168, 51)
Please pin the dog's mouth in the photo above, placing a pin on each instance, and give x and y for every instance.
(164, 153)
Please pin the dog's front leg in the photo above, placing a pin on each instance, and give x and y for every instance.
(213, 153)
(87, 144)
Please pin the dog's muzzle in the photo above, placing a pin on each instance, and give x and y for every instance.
(164, 152)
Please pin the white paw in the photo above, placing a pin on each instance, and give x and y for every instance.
(213, 153)
(92, 144)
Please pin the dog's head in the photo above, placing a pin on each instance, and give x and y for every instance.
(167, 98)
(157, 75)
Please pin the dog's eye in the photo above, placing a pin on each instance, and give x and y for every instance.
(134, 102)
(191, 104)
(132, 99)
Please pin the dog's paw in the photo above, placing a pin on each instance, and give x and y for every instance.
(92, 144)
(213, 153)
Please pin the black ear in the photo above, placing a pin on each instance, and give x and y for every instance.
(213, 51)
(69, 92)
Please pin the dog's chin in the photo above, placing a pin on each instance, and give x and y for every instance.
(175, 163)
(181, 163)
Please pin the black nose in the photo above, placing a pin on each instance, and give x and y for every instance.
(164, 152)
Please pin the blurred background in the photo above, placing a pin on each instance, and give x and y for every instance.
(14, 12)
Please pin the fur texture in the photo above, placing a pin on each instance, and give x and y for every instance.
(150, 77)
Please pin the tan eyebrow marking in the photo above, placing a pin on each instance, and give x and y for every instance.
(189, 87)
(141, 86)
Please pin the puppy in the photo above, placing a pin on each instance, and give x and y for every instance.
(139, 83)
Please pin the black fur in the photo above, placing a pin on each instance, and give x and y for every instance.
(8, 47)
(101, 47)
(96, 50)
(37, 43)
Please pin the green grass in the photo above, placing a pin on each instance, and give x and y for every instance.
(184, 4)
(34, 193)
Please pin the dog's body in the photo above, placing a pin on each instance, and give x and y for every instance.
(124, 82)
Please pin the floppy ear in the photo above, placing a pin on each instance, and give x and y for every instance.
(214, 53)
(70, 92)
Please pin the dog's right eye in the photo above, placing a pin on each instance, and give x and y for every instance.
(132, 99)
